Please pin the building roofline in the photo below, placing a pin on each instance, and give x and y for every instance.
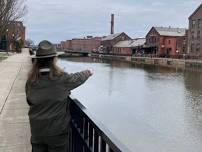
(138, 38)
(195, 10)
(130, 43)
(153, 27)
(112, 34)
(118, 34)
(160, 34)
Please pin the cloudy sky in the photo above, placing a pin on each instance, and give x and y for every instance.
(58, 20)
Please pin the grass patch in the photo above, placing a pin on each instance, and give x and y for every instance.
(3, 56)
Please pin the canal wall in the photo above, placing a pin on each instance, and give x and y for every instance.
(112, 57)
(164, 62)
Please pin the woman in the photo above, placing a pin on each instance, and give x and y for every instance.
(47, 89)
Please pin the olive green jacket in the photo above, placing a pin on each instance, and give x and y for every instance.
(49, 107)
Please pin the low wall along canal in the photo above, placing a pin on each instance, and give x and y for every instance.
(165, 62)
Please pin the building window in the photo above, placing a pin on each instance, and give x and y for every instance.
(183, 50)
(155, 39)
(199, 23)
(193, 23)
(198, 34)
(192, 34)
(169, 41)
(192, 47)
(197, 47)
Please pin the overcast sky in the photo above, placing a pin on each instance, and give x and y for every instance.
(58, 20)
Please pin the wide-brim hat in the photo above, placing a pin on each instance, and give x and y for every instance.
(45, 50)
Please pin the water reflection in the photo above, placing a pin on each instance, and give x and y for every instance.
(193, 84)
(148, 108)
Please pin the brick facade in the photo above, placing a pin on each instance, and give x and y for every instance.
(16, 31)
(122, 51)
(195, 33)
(166, 43)
(108, 42)
(129, 47)
(88, 44)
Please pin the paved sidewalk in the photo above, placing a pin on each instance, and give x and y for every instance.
(14, 124)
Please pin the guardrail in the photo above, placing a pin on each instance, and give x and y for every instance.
(89, 135)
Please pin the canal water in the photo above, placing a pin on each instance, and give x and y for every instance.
(149, 109)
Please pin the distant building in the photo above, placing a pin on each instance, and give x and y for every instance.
(63, 45)
(88, 44)
(129, 47)
(66, 44)
(57, 46)
(166, 41)
(108, 42)
(195, 33)
(14, 33)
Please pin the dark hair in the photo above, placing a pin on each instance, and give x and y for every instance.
(39, 63)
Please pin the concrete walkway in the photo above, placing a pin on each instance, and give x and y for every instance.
(14, 124)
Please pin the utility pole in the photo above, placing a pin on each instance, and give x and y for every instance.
(112, 23)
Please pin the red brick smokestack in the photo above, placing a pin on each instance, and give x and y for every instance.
(112, 23)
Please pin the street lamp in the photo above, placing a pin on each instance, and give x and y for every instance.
(177, 52)
(13, 41)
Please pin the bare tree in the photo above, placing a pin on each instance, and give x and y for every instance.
(10, 10)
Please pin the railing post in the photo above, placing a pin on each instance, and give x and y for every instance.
(96, 140)
(79, 145)
(70, 141)
(81, 123)
(86, 130)
(90, 136)
(103, 146)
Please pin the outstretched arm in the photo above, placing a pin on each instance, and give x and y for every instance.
(76, 79)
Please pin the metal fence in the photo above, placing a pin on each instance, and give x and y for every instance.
(89, 135)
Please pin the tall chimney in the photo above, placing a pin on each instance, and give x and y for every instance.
(112, 23)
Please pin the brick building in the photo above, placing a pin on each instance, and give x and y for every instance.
(108, 42)
(88, 44)
(14, 33)
(63, 45)
(166, 41)
(195, 33)
(129, 47)
(66, 44)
